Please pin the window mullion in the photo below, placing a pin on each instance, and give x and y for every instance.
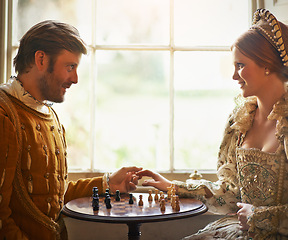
(171, 87)
(93, 97)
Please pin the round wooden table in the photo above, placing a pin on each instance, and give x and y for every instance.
(132, 214)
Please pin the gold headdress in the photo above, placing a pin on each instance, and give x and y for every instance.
(273, 30)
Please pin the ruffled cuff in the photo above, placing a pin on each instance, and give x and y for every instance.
(196, 191)
(264, 221)
(105, 181)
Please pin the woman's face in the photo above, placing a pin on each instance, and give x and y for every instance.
(251, 77)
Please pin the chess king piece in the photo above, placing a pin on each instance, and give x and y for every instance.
(95, 199)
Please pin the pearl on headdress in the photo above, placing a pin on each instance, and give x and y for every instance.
(276, 35)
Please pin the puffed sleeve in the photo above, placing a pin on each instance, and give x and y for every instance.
(224, 192)
(82, 188)
(8, 161)
(269, 221)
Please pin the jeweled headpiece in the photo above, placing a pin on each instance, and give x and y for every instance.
(273, 30)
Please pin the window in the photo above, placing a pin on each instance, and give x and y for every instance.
(155, 89)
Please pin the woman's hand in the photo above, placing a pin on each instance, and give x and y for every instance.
(243, 213)
(157, 181)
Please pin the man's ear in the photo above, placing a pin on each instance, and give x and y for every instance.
(41, 60)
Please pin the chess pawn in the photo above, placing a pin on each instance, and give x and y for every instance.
(140, 203)
(156, 197)
(162, 205)
(162, 197)
(117, 198)
(160, 194)
(131, 201)
(150, 198)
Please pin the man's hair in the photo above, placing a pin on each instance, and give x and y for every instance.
(50, 37)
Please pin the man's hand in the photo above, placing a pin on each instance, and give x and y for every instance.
(124, 180)
(157, 181)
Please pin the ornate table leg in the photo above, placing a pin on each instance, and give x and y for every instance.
(134, 231)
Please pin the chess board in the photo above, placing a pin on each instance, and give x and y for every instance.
(122, 211)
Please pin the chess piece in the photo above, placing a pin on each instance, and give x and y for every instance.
(95, 192)
(106, 197)
(117, 198)
(150, 198)
(140, 203)
(95, 203)
(131, 201)
(161, 196)
(177, 204)
(108, 202)
(173, 202)
(162, 205)
(195, 175)
(156, 197)
(169, 192)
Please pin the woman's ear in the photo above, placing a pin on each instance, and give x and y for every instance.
(41, 60)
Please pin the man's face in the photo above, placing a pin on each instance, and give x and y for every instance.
(53, 85)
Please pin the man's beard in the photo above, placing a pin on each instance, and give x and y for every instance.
(49, 90)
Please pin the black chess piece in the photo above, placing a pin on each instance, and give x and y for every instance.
(117, 198)
(95, 191)
(95, 203)
(108, 202)
(131, 201)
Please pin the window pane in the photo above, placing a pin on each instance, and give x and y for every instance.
(132, 119)
(209, 22)
(30, 12)
(204, 92)
(75, 114)
(132, 22)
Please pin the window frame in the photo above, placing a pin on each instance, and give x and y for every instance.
(7, 9)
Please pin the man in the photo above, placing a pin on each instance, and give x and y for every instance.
(33, 167)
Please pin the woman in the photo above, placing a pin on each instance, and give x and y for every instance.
(252, 164)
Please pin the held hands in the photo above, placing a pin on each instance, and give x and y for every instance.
(243, 213)
(157, 180)
(124, 180)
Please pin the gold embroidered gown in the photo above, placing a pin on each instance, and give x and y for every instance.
(249, 176)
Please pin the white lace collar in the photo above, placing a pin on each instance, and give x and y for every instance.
(15, 88)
